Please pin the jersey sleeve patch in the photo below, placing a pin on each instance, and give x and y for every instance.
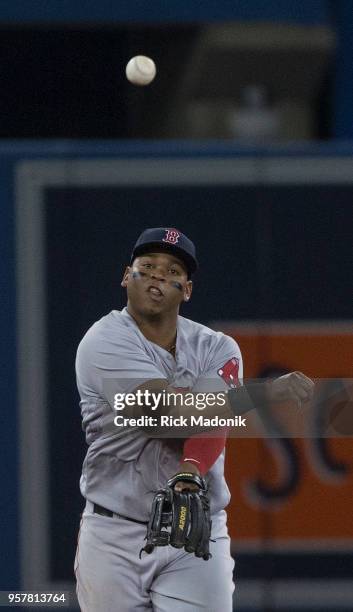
(230, 373)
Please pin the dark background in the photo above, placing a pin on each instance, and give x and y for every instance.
(70, 82)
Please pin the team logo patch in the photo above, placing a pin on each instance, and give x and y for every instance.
(172, 236)
(230, 373)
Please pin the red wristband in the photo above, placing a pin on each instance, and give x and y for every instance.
(204, 450)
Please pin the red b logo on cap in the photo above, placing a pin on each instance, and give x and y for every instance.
(172, 236)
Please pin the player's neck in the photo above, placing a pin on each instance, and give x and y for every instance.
(160, 330)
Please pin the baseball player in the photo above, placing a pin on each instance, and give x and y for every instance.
(164, 496)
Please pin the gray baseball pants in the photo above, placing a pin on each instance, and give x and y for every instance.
(111, 577)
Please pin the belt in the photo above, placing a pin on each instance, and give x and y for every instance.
(97, 509)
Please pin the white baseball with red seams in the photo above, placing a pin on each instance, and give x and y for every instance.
(141, 70)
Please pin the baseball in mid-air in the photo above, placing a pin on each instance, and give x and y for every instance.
(141, 70)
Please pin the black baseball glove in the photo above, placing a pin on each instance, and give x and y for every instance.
(181, 519)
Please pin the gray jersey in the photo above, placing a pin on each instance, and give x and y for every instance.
(123, 468)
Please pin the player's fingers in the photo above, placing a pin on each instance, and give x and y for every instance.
(300, 395)
(302, 375)
(181, 485)
(301, 392)
(304, 381)
(298, 392)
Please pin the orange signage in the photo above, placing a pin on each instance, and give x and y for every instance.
(294, 490)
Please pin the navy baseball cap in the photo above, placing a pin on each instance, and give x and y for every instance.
(170, 240)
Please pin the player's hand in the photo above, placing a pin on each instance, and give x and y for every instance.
(181, 485)
(293, 386)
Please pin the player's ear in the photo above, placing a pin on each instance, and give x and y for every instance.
(188, 291)
(125, 277)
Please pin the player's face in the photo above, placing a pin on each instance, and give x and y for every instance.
(157, 283)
